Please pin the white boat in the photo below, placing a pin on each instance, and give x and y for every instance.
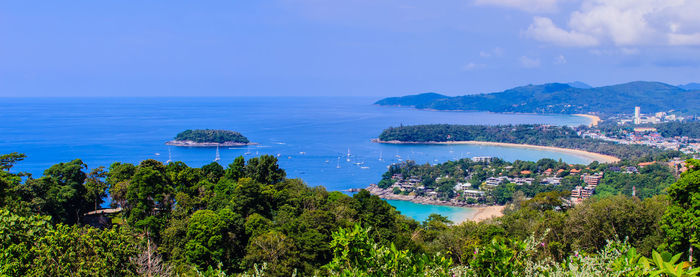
(338, 166)
(380, 156)
(364, 167)
(348, 158)
(170, 156)
(218, 157)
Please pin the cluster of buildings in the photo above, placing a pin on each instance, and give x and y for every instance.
(659, 117)
(407, 184)
(484, 159)
(591, 181)
(413, 184)
(495, 181)
(647, 136)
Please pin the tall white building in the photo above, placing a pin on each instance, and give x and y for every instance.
(637, 115)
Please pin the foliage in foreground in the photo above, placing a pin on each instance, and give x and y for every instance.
(249, 219)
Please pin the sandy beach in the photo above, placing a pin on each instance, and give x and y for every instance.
(585, 154)
(477, 213)
(594, 119)
(487, 212)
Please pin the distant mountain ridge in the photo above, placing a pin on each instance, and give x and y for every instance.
(579, 84)
(563, 98)
(690, 86)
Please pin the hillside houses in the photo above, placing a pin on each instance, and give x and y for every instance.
(591, 181)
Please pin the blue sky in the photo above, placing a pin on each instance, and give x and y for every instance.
(329, 47)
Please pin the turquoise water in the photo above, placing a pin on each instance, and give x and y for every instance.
(421, 212)
(311, 136)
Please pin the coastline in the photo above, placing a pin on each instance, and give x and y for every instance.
(483, 212)
(389, 195)
(602, 158)
(189, 143)
(594, 119)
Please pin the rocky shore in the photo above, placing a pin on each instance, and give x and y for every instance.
(189, 143)
(389, 194)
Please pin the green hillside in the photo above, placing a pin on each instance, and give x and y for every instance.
(563, 98)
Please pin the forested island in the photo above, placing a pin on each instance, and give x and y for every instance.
(208, 138)
(532, 134)
(248, 219)
(563, 98)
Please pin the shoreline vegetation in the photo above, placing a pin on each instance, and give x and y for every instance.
(482, 212)
(602, 158)
(209, 138)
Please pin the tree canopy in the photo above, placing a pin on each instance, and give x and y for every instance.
(210, 135)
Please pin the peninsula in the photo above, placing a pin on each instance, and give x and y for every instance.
(209, 138)
(546, 137)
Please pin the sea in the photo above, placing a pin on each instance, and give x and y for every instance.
(326, 141)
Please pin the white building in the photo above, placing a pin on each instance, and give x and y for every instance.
(473, 193)
(482, 159)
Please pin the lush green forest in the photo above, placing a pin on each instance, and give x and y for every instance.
(673, 129)
(247, 218)
(563, 98)
(544, 135)
(209, 135)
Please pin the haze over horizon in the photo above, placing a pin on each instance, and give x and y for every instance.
(340, 48)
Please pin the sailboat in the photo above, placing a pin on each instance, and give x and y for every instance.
(380, 156)
(170, 156)
(348, 158)
(218, 157)
(338, 166)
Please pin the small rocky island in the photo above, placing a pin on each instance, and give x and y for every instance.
(209, 138)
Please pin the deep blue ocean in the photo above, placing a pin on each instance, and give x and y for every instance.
(311, 136)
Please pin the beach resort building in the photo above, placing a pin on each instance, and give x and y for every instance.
(592, 179)
(483, 159)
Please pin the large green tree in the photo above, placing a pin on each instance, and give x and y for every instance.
(61, 192)
(12, 193)
(148, 196)
(265, 170)
(96, 187)
(681, 220)
(211, 238)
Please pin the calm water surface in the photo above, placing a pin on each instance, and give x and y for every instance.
(311, 136)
